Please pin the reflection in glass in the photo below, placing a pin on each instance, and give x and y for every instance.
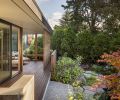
(15, 53)
(5, 71)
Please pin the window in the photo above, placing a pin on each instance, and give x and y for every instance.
(5, 52)
(9, 50)
(15, 52)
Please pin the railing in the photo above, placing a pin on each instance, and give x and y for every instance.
(53, 62)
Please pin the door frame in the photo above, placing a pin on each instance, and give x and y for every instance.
(20, 58)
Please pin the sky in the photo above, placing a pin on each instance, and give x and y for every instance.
(52, 10)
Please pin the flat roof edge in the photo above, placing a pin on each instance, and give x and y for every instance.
(44, 21)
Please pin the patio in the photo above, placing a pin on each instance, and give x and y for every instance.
(40, 73)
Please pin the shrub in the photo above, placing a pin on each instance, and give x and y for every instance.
(105, 70)
(31, 48)
(76, 96)
(101, 45)
(113, 81)
(91, 81)
(84, 43)
(78, 92)
(67, 70)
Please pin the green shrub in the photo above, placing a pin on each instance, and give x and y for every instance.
(91, 81)
(67, 70)
(104, 70)
(76, 96)
(84, 43)
(31, 48)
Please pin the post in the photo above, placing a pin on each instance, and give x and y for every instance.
(20, 50)
(36, 54)
(46, 48)
(53, 63)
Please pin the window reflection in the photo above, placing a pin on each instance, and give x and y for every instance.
(5, 63)
(15, 53)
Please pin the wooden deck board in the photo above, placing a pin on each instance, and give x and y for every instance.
(41, 75)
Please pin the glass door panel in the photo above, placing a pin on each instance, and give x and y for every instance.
(5, 50)
(15, 52)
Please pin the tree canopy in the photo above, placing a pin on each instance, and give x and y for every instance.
(88, 28)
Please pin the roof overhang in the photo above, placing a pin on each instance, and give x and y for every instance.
(23, 13)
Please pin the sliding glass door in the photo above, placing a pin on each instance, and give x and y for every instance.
(5, 52)
(15, 52)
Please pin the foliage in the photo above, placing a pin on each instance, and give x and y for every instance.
(88, 29)
(104, 70)
(115, 43)
(90, 80)
(113, 81)
(78, 94)
(31, 48)
(101, 45)
(112, 59)
(84, 44)
(40, 45)
(67, 71)
(90, 47)
(92, 13)
(63, 41)
(56, 39)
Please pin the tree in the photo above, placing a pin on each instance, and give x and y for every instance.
(56, 39)
(84, 44)
(65, 21)
(97, 15)
(76, 19)
(88, 29)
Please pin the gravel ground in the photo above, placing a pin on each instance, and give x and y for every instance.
(57, 91)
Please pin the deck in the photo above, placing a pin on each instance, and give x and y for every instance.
(40, 73)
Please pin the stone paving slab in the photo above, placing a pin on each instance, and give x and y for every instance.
(57, 91)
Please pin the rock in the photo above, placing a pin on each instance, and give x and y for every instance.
(89, 94)
(58, 91)
(89, 74)
(99, 90)
(77, 90)
(82, 79)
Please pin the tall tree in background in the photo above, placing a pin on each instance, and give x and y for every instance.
(111, 13)
(94, 14)
(65, 21)
(85, 29)
(75, 15)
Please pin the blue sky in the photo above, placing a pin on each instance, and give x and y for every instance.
(52, 10)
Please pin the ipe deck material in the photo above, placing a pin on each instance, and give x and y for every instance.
(40, 73)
